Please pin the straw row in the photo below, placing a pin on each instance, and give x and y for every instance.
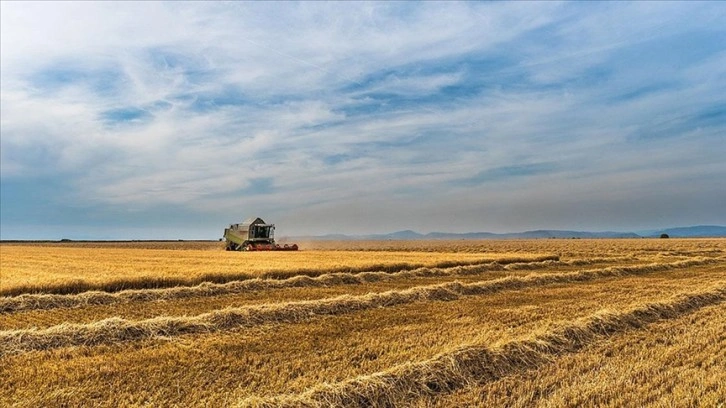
(49, 301)
(157, 282)
(46, 301)
(480, 364)
(114, 330)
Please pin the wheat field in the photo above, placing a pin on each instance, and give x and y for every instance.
(516, 323)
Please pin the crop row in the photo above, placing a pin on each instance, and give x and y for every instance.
(77, 270)
(479, 363)
(47, 301)
(222, 368)
(116, 330)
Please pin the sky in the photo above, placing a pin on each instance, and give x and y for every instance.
(171, 120)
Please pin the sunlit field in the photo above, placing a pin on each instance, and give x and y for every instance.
(630, 322)
(75, 268)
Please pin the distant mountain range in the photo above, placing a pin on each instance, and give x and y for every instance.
(686, 232)
(709, 231)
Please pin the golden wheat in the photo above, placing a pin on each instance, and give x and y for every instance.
(52, 301)
(222, 367)
(314, 327)
(64, 269)
(480, 363)
(116, 330)
(678, 363)
(43, 301)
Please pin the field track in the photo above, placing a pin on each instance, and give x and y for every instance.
(453, 332)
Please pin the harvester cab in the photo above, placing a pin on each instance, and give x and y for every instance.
(253, 235)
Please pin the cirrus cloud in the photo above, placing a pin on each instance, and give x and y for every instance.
(170, 119)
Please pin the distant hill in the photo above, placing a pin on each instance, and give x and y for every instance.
(413, 235)
(573, 234)
(705, 231)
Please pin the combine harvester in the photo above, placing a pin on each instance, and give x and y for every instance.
(253, 235)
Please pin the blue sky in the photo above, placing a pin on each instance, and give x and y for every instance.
(170, 120)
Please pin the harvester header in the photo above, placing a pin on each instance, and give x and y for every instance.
(253, 235)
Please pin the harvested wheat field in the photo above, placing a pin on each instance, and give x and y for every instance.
(516, 323)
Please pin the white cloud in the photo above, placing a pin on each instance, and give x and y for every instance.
(350, 109)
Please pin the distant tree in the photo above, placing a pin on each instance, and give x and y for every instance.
(664, 236)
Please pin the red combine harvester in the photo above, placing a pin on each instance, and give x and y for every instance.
(253, 235)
